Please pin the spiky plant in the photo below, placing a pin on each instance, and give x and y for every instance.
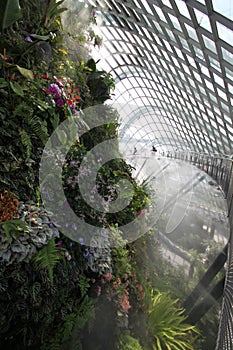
(167, 329)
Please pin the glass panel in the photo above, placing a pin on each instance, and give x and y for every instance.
(209, 44)
(228, 56)
(213, 98)
(229, 73)
(157, 26)
(214, 63)
(218, 80)
(147, 7)
(209, 85)
(197, 76)
(204, 70)
(202, 90)
(222, 94)
(223, 7)
(225, 107)
(184, 44)
(182, 8)
(230, 88)
(165, 55)
(191, 32)
(167, 3)
(159, 13)
(224, 33)
(179, 53)
(199, 53)
(191, 61)
(170, 34)
(203, 20)
(175, 22)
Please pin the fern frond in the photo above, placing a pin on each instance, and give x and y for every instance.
(83, 284)
(47, 258)
(35, 290)
(39, 128)
(26, 141)
(23, 110)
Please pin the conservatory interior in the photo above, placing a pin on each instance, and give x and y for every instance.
(116, 174)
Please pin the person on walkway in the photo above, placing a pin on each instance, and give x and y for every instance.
(154, 150)
(135, 150)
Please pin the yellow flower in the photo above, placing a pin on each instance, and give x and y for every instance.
(63, 51)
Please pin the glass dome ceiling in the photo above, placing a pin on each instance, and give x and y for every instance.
(173, 65)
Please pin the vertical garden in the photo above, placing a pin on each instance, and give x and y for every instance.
(57, 292)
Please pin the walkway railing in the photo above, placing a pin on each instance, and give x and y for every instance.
(221, 170)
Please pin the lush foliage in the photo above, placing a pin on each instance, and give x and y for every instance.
(166, 327)
(126, 342)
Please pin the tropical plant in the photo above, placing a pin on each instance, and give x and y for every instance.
(68, 335)
(47, 258)
(10, 13)
(127, 342)
(166, 325)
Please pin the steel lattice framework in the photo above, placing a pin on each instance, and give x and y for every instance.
(174, 58)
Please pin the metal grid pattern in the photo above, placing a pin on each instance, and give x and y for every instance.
(173, 64)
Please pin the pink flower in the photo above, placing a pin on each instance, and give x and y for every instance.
(28, 39)
(125, 305)
(108, 276)
(140, 287)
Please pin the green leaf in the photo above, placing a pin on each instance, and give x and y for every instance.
(40, 37)
(10, 13)
(25, 72)
(16, 88)
(14, 227)
(26, 141)
(47, 258)
(3, 83)
(42, 105)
